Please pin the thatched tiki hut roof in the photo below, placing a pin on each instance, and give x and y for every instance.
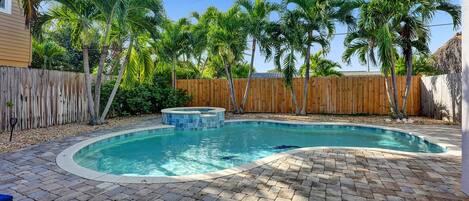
(448, 57)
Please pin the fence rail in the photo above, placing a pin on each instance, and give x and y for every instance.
(331, 95)
(41, 98)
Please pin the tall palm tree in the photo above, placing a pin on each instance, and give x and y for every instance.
(285, 41)
(173, 43)
(108, 13)
(139, 17)
(374, 43)
(198, 40)
(79, 15)
(318, 18)
(227, 42)
(410, 20)
(257, 18)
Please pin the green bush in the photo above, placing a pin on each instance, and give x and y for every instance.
(142, 99)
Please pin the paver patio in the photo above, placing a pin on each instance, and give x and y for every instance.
(329, 174)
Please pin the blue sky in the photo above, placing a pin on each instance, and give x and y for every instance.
(176, 9)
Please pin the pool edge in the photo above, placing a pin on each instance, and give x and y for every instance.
(65, 159)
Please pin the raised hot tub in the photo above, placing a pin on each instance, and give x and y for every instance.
(193, 118)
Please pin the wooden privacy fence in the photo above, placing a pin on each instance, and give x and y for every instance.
(331, 95)
(41, 98)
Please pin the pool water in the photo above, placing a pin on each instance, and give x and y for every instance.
(168, 152)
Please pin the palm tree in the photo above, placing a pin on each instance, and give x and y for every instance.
(374, 43)
(410, 20)
(198, 40)
(48, 51)
(227, 42)
(139, 17)
(173, 43)
(285, 41)
(257, 17)
(322, 67)
(79, 15)
(318, 17)
(108, 13)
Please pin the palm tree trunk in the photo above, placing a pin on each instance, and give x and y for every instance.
(231, 86)
(173, 73)
(394, 90)
(389, 92)
(118, 81)
(89, 95)
(199, 62)
(306, 81)
(293, 98)
(99, 77)
(408, 83)
(44, 64)
(102, 58)
(248, 84)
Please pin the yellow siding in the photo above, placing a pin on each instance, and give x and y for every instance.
(15, 39)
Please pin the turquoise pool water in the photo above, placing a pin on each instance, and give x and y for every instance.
(169, 152)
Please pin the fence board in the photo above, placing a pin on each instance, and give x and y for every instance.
(41, 98)
(343, 95)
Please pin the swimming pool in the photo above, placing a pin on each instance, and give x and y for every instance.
(168, 152)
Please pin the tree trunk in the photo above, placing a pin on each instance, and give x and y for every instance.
(389, 92)
(293, 98)
(408, 83)
(173, 73)
(44, 64)
(199, 62)
(231, 86)
(89, 95)
(102, 58)
(394, 90)
(118, 81)
(99, 77)
(248, 84)
(306, 81)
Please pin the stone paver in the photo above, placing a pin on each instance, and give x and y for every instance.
(329, 174)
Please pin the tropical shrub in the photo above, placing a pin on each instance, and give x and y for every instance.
(143, 99)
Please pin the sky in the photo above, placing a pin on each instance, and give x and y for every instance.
(176, 9)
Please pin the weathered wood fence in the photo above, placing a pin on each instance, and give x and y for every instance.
(41, 98)
(331, 95)
(441, 97)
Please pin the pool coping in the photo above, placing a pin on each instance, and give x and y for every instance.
(176, 110)
(65, 159)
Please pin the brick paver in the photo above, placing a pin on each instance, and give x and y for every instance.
(329, 174)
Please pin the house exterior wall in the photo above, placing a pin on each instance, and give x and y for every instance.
(15, 38)
(465, 100)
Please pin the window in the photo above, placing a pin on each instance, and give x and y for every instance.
(5, 6)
